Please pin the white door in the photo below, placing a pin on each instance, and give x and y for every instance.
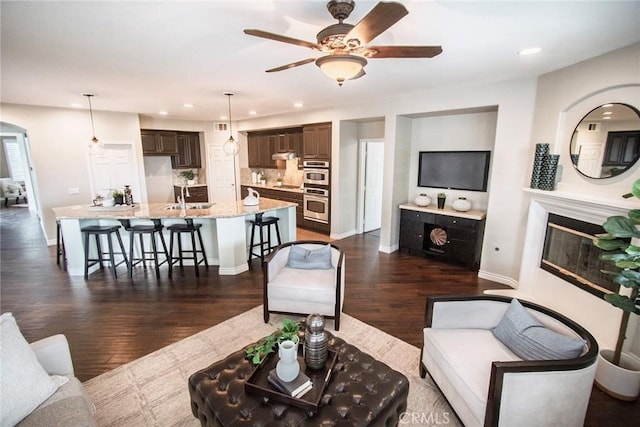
(112, 167)
(590, 159)
(222, 175)
(373, 185)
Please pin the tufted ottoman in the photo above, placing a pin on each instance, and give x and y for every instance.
(362, 392)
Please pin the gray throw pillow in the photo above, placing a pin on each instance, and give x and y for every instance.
(530, 340)
(305, 259)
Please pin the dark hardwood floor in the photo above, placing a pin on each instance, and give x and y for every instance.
(109, 322)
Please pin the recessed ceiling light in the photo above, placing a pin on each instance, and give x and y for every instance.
(607, 105)
(530, 51)
(606, 113)
(188, 105)
(252, 112)
(298, 104)
(76, 105)
(606, 118)
(163, 113)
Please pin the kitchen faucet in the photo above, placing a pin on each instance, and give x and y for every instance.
(181, 201)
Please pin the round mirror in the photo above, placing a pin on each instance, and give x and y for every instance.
(606, 142)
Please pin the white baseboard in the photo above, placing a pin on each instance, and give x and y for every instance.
(336, 236)
(499, 278)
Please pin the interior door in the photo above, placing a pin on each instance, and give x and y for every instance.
(112, 167)
(590, 159)
(373, 185)
(222, 172)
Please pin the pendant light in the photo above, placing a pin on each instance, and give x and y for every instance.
(94, 140)
(231, 147)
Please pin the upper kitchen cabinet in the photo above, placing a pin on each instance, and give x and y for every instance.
(188, 151)
(260, 148)
(289, 141)
(159, 142)
(317, 141)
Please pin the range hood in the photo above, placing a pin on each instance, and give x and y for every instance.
(289, 155)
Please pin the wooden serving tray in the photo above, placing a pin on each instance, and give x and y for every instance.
(310, 401)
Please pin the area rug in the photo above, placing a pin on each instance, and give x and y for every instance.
(152, 390)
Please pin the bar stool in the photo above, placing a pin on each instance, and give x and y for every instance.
(141, 230)
(264, 247)
(61, 253)
(193, 230)
(97, 231)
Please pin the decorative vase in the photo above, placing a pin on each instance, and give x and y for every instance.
(316, 345)
(288, 367)
(191, 182)
(118, 200)
(441, 200)
(423, 200)
(621, 382)
(461, 204)
(128, 196)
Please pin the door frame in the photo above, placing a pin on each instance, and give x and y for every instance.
(362, 162)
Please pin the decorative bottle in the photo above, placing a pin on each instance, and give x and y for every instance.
(288, 367)
(423, 200)
(128, 197)
(316, 345)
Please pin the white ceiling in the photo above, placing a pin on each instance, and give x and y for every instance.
(149, 56)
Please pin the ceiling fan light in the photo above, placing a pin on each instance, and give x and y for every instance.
(341, 67)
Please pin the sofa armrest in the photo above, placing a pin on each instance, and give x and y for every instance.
(54, 355)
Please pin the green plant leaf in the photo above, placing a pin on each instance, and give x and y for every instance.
(633, 250)
(610, 244)
(620, 226)
(623, 302)
(627, 264)
(634, 215)
(616, 257)
(635, 188)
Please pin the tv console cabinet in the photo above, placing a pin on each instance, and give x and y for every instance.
(445, 234)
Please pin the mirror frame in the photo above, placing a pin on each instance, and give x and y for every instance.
(603, 153)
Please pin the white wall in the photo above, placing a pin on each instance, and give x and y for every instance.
(563, 98)
(59, 141)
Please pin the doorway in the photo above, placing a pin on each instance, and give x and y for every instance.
(371, 164)
(15, 144)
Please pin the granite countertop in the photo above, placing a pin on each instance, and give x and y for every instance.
(163, 211)
(289, 188)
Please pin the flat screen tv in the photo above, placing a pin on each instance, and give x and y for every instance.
(456, 170)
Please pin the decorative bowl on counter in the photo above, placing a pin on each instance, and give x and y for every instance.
(461, 204)
(423, 200)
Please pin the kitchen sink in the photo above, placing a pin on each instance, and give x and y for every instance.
(176, 206)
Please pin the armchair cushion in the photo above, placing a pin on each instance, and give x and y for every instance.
(530, 340)
(310, 259)
(24, 382)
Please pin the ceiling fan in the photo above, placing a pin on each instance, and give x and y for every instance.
(346, 44)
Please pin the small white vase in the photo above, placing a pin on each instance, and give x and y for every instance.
(621, 382)
(423, 200)
(288, 367)
(191, 182)
(461, 204)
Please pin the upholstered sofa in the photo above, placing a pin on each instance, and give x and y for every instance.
(486, 382)
(11, 190)
(38, 386)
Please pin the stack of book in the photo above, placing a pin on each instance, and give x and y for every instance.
(296, 388)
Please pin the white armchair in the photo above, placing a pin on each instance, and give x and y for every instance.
(303, 291)
(486, 383)
(10, 189)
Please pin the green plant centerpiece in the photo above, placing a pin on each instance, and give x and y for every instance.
(188, 174)
(117, 193)
(620, 242)
(262, 348)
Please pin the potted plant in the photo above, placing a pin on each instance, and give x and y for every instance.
(189, 175)
(622, 243)
(118, 197)
(258, 352)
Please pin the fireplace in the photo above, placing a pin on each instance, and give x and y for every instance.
(569, 253)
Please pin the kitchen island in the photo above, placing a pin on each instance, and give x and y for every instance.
(225, 229)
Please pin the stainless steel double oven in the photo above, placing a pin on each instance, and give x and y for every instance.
(316, 190)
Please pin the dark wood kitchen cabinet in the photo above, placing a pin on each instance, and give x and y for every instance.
(443, 234)
(317, 141)
(188, 151)
(197, 194)
(260, 148)
(159, 142)
(622, 148)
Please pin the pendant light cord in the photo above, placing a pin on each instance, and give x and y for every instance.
(93, 129)
(230, 128)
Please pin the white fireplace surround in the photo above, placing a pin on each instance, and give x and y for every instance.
(540, 286)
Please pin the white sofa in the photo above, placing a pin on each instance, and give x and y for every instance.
(304, 291)
(488, 384)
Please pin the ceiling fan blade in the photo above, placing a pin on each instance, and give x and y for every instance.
(374, 52)
(378, 20)
(293, 64)
(281, 38)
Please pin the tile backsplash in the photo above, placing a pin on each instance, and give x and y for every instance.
(290, 176)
